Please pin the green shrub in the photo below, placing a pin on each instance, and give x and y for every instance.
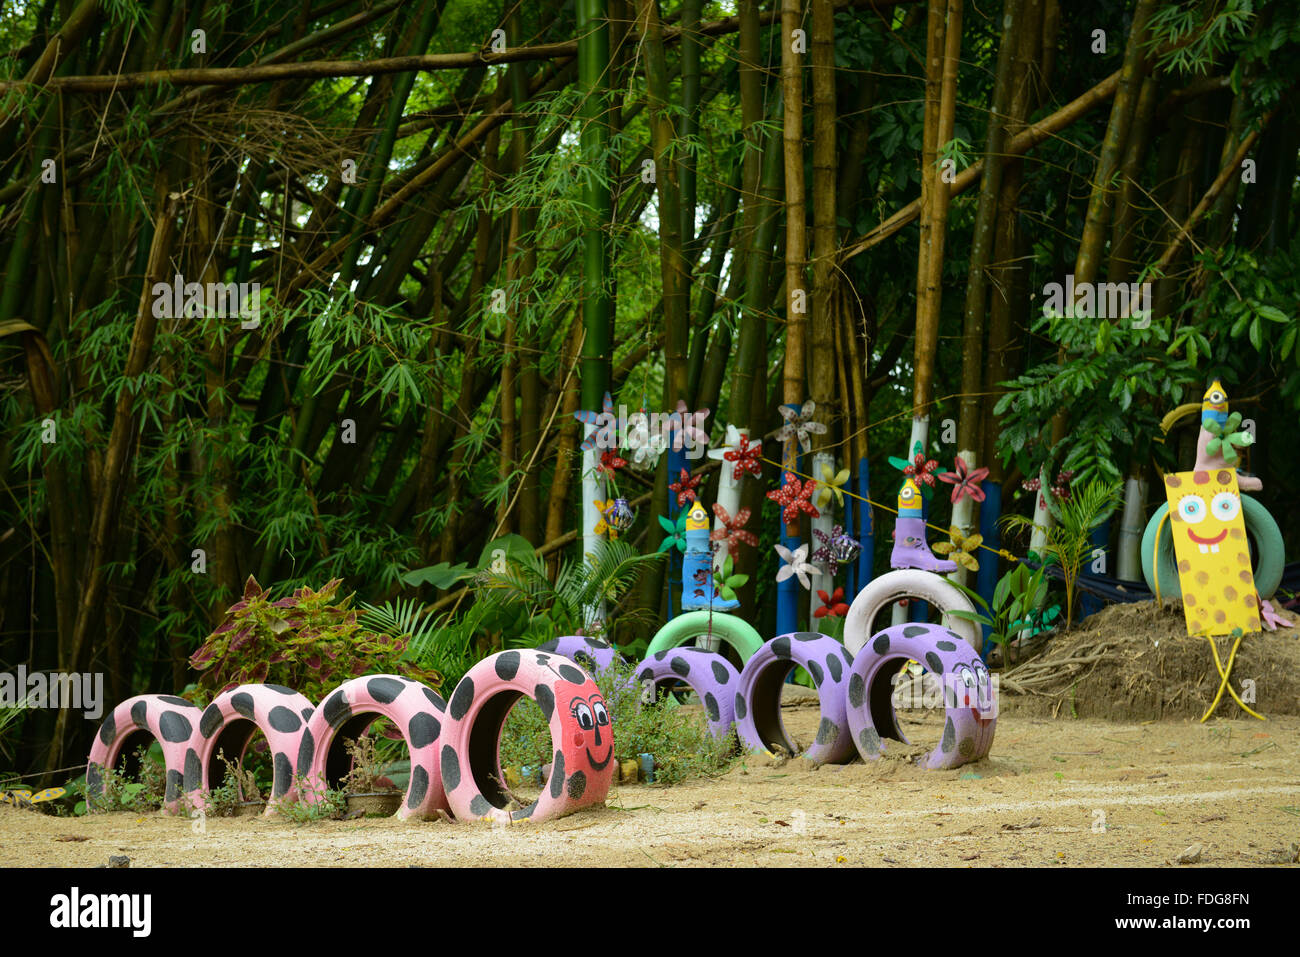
(678, 739)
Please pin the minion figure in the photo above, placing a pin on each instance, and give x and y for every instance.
(697, 566)
(1209, 534)
(910, 547)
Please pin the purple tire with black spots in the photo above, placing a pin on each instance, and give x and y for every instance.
(582, 739)
(347, 711)
(967, 693)
(228, 725)
(758, 700)
(712, 677)
(593, 654)
(141, 720)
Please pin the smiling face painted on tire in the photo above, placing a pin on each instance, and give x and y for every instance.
(590, 718)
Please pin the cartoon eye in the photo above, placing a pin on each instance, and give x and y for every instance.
(583, 714)
(1191, 509)
(602, 716)
(1225, 506)
(1216, 396)
(906, 494)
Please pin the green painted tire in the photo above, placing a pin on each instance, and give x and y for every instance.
(1259, 526)
(694, 624)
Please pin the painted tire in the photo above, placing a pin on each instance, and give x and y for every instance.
(907, 583)
(758, 701)
(592, 654)
(470, 760)
(229, 723)
(171, 720)
(1259, 525)
(696, 624)
(348, 710)
(967, 693)
(707, 673)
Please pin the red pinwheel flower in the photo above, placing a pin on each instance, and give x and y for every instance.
(794, 497)
(965, 481)
(610, 462)
(733, 529)
(922, 469)
(685, 488)
(832, 604)
(746, 458)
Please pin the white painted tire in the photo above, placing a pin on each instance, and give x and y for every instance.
(908, 583)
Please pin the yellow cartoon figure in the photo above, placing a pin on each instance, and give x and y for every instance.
(1209, 534)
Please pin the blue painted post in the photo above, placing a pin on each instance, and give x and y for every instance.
(676, 462)
(787, 592)
(987, 578)
(866, 526)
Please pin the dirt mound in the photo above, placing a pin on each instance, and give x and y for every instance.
(1137, 663)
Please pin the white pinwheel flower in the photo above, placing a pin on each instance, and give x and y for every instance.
(796, 564)
(729, 444)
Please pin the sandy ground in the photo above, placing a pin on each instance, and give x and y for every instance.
(1062, 792)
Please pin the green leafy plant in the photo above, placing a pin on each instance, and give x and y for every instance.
(1069, 541)
(726, 582)
(367, 773)
(121, 793)
(1017, 594)
(311, 642)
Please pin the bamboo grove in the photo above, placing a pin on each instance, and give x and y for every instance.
(470, 219)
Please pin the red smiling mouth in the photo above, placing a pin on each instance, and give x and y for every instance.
(1207, 541)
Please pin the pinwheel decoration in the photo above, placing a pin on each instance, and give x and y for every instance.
(960, 548)
(610, 462)
(799, 424)
(832, 486)
(733, 529)
(685, 426)
(797, 564)
(685, 487)
(1226, 439)
(604, 431)
(645, 448)
(725, 582)
(602, 523)
(834, 550)
(920, 468)
(833, 605)
(676, 537)
(795, 497)
(742, 452)
(965, 481)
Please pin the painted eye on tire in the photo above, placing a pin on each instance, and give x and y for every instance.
(1225, 506)
(583, 713)
(1191, 509)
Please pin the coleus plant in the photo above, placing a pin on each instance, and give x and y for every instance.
(310, 642)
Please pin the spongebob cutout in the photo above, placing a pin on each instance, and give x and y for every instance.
(1213, 555)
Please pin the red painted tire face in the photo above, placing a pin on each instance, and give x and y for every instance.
(229, 723)
(712, 677)
(582, 739)
(967, 693)
(172, 721)
(346, 712)
(758, 702)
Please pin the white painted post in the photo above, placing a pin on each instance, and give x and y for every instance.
(822, 523)
(920, 432)
(963, 516)
(593, 488)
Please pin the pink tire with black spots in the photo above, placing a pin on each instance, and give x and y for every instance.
(137, 721)
(582, 768)
(758, 700)
(594, 655)
(712, 677)
(967, 693)
(347, 711)
(229, 724)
